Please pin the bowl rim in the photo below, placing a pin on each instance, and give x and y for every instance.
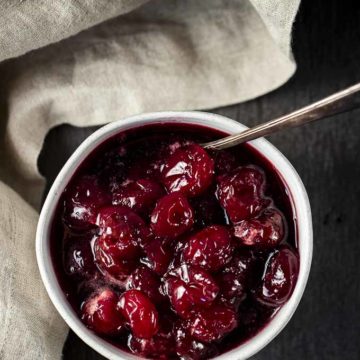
(271, 153)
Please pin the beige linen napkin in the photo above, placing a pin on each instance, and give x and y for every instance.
(158, 55)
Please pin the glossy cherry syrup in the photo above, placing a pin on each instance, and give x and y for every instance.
(169, 251)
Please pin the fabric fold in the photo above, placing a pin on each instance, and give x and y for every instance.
(31, 24)
(31, 328)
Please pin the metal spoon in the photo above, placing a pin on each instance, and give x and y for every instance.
(342, 101)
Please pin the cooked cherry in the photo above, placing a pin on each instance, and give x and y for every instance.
(172, 216)
(115, 266)
(212, 324)
(117, 248)
(265, 231)
(157, 256)
(140, 313)
(241, 193)
(189, 170)
(78, 258)
(121, 232)
(189, 287)
(210, 248)
(139, 195)
(279, 278)
(100, 313)
(113, 220)
(189, 348)
(148, 282)
(81, 202)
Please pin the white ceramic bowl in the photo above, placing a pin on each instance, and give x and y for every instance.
(288, 173)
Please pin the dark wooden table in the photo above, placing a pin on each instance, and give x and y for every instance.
(327, 156)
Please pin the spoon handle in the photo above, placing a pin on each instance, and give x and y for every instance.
(339, 102)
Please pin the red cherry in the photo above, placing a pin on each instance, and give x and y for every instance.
(121, 232)
(265, 231)
(241, 193)
(139, 195)
(279, 278)
(148, 282)
(100, 313)
(117, 267)
(211, 248)
(190, 348)
(189, 287)
(140, 313)
(172, 216)
(121, 245)
(212, 324)
(81, 202)
(189, 170)
(112, 219)
(157, 257)
(160, 346)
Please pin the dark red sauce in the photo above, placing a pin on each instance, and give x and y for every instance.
(168, 251)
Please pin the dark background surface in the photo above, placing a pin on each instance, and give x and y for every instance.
(326, 154)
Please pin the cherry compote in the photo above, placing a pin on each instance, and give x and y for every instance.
(170, 251)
